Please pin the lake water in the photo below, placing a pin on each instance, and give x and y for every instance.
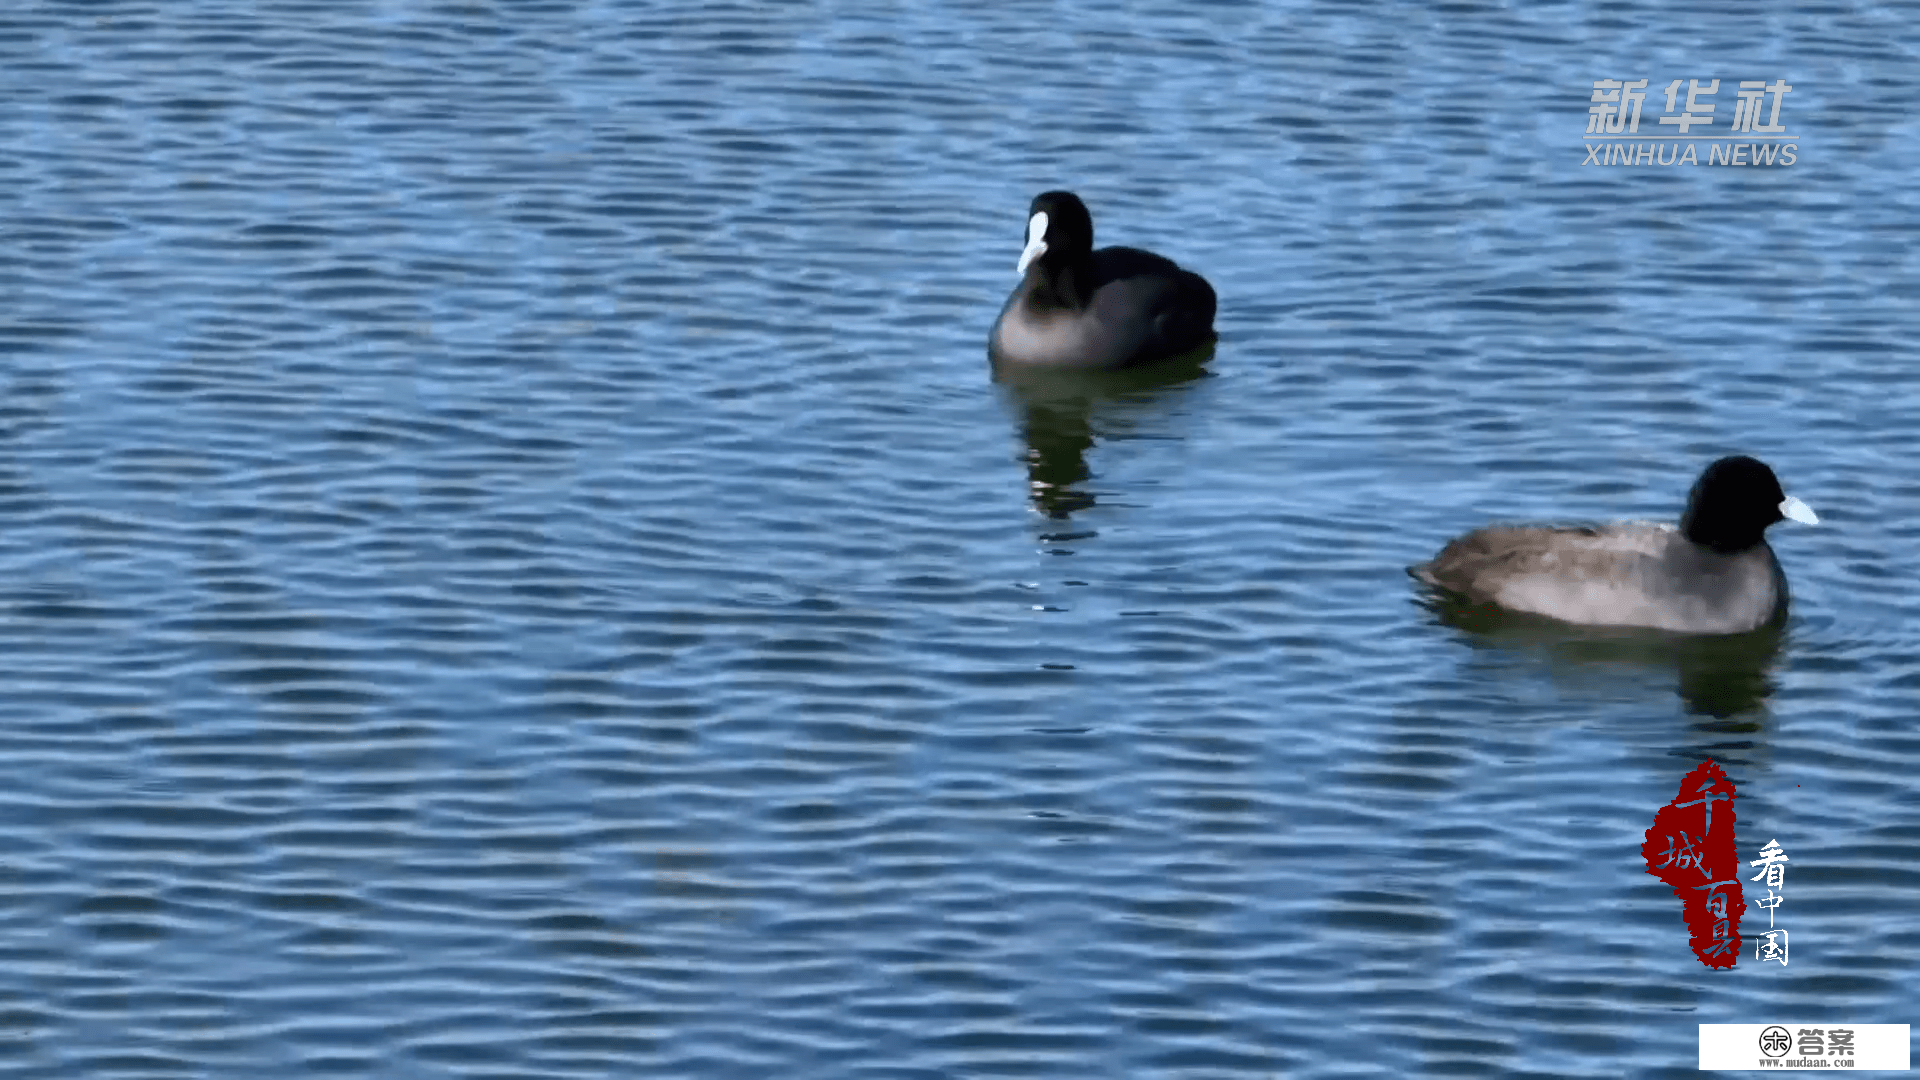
(515, 565)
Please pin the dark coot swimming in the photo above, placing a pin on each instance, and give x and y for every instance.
(1113, 308)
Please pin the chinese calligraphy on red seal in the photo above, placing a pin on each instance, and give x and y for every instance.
(1690, 847)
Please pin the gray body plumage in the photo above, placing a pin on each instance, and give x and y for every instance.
(1624, 574)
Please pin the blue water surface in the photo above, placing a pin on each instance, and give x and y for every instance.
(513, 562)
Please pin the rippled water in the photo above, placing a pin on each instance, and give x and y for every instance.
(514, 564)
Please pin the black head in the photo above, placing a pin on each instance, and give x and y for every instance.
(1734, 502)
(1063, 236)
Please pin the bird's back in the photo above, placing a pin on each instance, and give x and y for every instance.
(1624, 574)
(1151, 304)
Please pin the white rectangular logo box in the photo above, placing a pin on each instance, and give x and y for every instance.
(1826, 1047)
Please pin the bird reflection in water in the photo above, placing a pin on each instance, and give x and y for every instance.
(1716, 675)
(1062, 411)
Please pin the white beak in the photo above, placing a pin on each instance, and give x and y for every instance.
(1036, 241)
(1795, 510)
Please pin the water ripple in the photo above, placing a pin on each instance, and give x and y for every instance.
(515, 563)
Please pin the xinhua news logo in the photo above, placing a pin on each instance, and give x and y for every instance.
(1756, 136)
